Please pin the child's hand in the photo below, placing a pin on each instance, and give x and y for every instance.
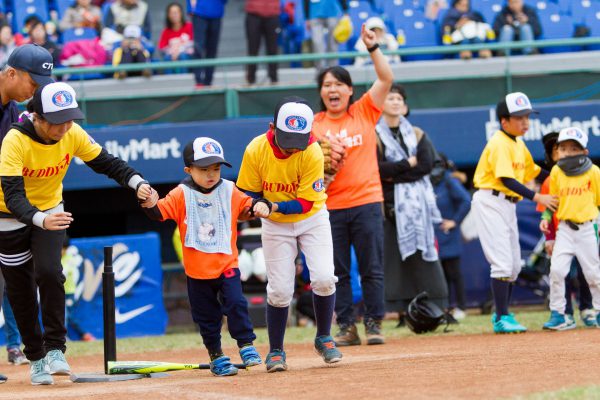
(545, 227)
(549, 246)
(547, 200)
(150, 200)
(261, 210)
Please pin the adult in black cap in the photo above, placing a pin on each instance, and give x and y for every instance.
(28, 67)
(34, 160)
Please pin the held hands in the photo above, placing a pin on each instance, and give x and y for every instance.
(261, 210)
(447, 225)
(549, 246)
(144, 191)
(545, 227)
(368, 37)
(150, 201)
(58, 221)
(547, 200)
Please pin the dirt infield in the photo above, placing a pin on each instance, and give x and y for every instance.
(466, 366)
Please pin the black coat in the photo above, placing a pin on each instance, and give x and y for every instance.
(507, 17)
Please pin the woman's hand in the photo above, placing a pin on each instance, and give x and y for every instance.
(150, 200)
(58, 221)
(412, 161)
(144, 192)
(368, 37)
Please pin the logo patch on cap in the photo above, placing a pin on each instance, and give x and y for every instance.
(295, 123)
(211, 148)
(318, 185)
(574, 133)
(522, 101)
(62, 99)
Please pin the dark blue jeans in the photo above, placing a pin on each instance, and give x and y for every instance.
(361, 227)
(210, 299)
(206, 42)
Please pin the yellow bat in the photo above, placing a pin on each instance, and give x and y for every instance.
(148, 367)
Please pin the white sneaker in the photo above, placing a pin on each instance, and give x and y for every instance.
(57, 363)
(459, 314)
(39, 373)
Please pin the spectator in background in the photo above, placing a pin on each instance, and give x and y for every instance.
(13, 337)
(7, 43)
(206, 19)
(406, 157)
(517, 22)
(461, 25)
(23, 36)
(131, 51)
(123, 13)
(37, 35)
(434, 7)
(176, 39)
(82, 14)
(321, 17)
(454, 202)
(386, 41)
(262, 20)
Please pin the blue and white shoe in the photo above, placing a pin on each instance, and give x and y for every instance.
(222, 366)
(559, 322)
(275, 361)
(250, 356)
(57, 363)
(508, 324)
(325, 346)
(3, 378)
(39, 373)
(588, 317)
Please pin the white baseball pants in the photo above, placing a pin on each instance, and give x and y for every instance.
(583, 244)
(280, 242)
(496, 221)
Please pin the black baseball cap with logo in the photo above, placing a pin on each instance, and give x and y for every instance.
(204, 151)
(35, 60)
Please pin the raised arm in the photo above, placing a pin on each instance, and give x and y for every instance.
(385, 76)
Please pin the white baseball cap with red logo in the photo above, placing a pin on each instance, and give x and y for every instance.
(573, 133)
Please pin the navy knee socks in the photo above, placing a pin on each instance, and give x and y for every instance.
(276, 322)
(323, 306)
(501, 290)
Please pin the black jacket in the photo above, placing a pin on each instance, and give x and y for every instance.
(507, 17)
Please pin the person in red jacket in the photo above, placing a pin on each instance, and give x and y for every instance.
(176, 40)
(262, 20)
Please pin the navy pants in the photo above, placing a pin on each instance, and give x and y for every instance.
(206, 42)
(210, 299)
(361, 227)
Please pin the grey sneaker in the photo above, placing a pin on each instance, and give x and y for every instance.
(39, 373)
(373, 331)
(57, 363)
(347, 336)
(16, 356)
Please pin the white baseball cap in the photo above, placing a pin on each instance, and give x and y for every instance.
(56, 103)
(374, 22)
(573, 133)
(132, 32)
(204, 151)
(293, 123)
(514, 105)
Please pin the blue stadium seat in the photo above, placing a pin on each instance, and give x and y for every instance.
(407, 17)
(592, 21)
(556, 26)
(564, 6)
(545, 8)
(24, 8)
(421, 33)
(581, 8)
(359, 12)
(70, 35)
(489, 9)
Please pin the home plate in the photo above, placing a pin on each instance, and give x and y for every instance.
(99, 377)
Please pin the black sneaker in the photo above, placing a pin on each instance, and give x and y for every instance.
(373, 331)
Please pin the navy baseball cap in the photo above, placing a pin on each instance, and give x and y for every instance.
(35, 60)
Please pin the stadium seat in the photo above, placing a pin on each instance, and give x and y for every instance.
(407, 17)
(545, 8)
(564, 6)
(70, 35)
(24, 8)
(592, 21)
(359, 12)
(581, 8)
(556, 26)
(62, 6)
(421, 33)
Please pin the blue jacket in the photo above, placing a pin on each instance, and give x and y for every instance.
(454, 202)
(207, 8)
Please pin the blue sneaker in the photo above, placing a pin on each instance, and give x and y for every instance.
(508, 324)
(559, 322)
(222, 366)
(325, 346)
(275, 361)
(57, 363)
(40, 373)
(3, 378)
(250, 356)
(588, 317)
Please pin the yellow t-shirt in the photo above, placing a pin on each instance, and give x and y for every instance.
(578, 196)
(298, 176)
(504, 157)
(43, 166)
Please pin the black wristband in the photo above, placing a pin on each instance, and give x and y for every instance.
(261, 200)
(140, 183)
(373, 48)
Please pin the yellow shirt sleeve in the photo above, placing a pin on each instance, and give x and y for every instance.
(248, 177)
(553, 181)
(596, 183)
(11, 155)
(311, 183)
(501, 160)
(86, 147)
(531, 168)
